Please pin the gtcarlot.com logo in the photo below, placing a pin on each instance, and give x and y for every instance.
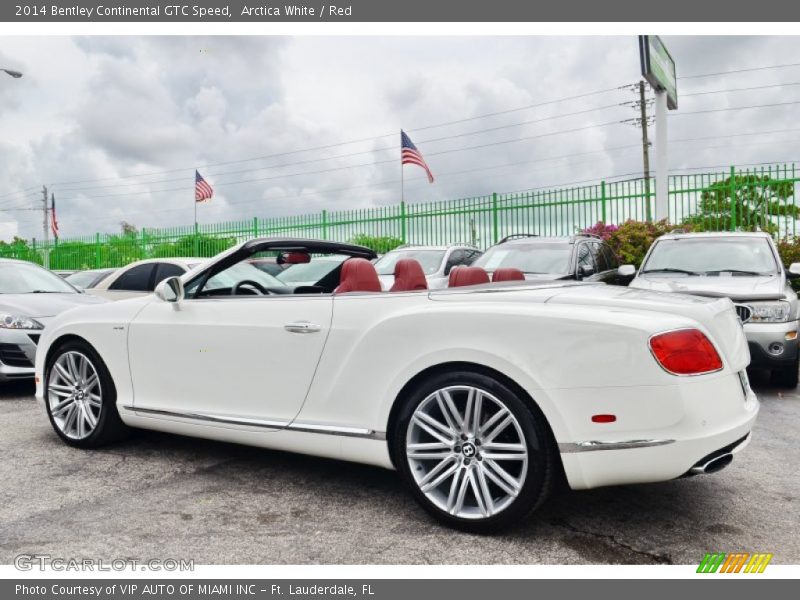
(42, 562)
(738, 562)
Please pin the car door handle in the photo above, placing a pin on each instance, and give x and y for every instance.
(302, 327)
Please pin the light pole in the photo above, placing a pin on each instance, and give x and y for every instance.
(14, 74)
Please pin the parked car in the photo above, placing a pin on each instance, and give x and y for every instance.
(744, 267)
(580, 257)
(88, 279)
(436, 261)
(479, 399)
(141, 277)
(29, 297)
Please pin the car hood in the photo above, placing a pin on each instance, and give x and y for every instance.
(735, 288)
(44, 305)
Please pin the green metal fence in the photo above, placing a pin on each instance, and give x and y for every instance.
(726, 199)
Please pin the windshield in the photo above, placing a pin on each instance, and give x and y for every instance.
(21, 278)
(430, 260)
(311, 271)
(85, 279)
(539, 257)
(711, 256)
(242, 271)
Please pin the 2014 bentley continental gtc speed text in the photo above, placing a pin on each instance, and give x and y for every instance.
(481, 395)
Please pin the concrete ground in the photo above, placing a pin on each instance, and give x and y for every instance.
(163, 496)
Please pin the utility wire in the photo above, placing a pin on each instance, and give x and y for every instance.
(747, 70)
(355, 141)
(350, 154)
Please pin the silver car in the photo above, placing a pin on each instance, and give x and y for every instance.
(436, 261)
(29, 297)
(744, 267)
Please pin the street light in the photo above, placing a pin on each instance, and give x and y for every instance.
(14, 74)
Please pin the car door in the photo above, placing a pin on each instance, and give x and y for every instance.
(612, 264)
(235, 360)
(586, 267)
(604, 272)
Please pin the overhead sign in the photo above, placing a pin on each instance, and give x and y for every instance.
(658, 68)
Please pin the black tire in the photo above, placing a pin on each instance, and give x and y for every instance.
(109, 427)
(541, 472)
(787, 376)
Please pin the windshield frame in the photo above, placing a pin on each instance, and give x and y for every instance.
(39, 270)
(566, 247)
(777, 263)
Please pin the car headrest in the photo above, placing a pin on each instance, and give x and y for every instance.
(358, 275)
(508, 274)
(461, 276)
(408, 276)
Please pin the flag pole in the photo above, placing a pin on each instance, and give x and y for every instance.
(402, 183)
(194, 199)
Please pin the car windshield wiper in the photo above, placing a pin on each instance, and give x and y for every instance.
(671, 270)
(45, 292)
(737, 271)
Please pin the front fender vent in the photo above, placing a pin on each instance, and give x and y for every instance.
(744, 312)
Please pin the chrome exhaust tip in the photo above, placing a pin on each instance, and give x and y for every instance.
(712, 466)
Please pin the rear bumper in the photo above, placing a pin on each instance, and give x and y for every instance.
(714, 414)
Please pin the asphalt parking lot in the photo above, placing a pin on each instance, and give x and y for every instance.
(163, 496)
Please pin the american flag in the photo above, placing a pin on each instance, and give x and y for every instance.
(202, 191)
(53, 220)
(409, 155)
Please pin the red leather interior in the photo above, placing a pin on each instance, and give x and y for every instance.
(461, 276)
(508, 274)
(408, 276)
(358, 275)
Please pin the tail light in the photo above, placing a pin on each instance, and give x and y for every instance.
(685, 352)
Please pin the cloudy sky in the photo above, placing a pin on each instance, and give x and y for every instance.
(280, 126)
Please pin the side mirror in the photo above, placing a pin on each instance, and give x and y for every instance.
(585, 271)
(626, 271)
(794, 271)
(170, 290)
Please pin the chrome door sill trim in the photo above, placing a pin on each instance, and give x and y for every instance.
(591, 446)
(356, 432)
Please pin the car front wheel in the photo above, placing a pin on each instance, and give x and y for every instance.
(476, 455)
(80, 397)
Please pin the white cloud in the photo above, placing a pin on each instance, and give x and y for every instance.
(102, 108)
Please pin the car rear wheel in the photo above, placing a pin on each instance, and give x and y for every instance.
(80, 397)
(475, 455)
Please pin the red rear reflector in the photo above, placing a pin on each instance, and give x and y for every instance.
(685, 352)
(604, 418)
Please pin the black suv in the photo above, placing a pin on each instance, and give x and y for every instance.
(582, 257)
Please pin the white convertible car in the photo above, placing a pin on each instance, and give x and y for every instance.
(480, 395)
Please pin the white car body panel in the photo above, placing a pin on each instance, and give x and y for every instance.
(576, 349)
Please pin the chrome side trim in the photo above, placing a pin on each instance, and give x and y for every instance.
(356, 432)
(590, 446)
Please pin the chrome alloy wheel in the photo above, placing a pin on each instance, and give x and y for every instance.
(467, 452)
(74, 395)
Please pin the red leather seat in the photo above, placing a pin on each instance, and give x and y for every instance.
(508, 274)
(358, 275)
(461, 276)
(408, 276)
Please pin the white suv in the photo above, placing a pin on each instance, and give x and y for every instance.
(436, 261)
